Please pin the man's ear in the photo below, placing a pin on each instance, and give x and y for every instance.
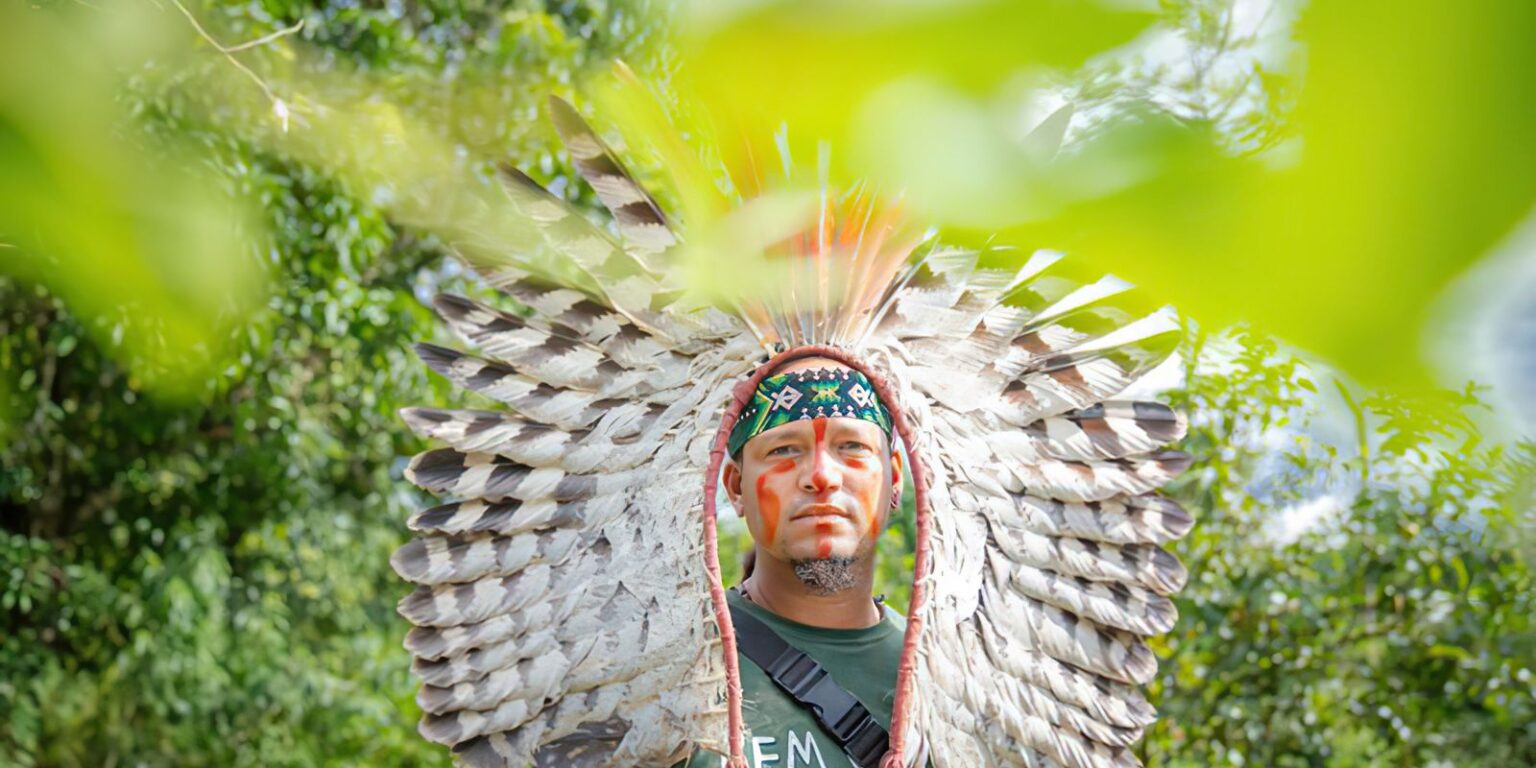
(731, 477)
(898, 464)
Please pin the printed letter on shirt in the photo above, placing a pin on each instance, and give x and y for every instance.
(800, 752)
(761, 759)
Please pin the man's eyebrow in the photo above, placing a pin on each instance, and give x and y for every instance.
(854, 426)
(786, 438)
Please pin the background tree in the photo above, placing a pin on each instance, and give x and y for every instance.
(199, 483)
(203, 579)
(1364, 604)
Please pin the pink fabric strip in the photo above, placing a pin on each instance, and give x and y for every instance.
(740, 395)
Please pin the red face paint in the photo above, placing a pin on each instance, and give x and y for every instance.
(871, 499)
(819, 482)
(818, 467)
(767, 501)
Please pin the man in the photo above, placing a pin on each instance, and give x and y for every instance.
(816, 491)
(566, 608)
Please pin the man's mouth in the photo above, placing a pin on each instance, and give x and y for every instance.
(820, 510)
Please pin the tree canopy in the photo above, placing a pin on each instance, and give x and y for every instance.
(200, 475)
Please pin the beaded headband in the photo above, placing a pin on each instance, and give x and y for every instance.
(815, 393)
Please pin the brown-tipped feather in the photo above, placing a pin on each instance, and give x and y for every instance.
(637, 214)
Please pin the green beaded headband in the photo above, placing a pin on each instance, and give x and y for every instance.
(814, 393)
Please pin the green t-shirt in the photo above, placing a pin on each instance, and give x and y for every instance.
(784, 734)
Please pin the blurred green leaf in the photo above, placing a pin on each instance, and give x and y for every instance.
(1405, 159)
(814, 65)
(1412, 159)
(123, 227)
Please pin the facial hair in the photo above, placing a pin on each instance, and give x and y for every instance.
(825, 576)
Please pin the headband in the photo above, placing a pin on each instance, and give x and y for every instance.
(815, 393)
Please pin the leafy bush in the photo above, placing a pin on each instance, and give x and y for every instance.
(204, 580)
(1351, 607)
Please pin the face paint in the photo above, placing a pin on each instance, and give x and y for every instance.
(818, 480)
(818, 469)
(871, 499)
(768, 501)
(836, 471)
(823, 540)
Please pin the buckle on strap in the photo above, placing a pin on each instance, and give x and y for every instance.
(868, 742)
(863, 739)
(838, 711)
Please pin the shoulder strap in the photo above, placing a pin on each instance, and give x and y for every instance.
(838, 711)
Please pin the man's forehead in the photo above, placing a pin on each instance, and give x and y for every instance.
(809, 363)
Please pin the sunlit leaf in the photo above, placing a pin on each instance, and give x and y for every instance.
(122, 227)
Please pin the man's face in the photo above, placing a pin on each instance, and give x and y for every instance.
(816, 489)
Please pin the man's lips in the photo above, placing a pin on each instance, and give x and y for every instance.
(821, 510)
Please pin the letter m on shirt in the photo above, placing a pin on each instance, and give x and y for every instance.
(803, 752)
(800, 751)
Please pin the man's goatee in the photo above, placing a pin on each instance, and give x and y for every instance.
(825, 576)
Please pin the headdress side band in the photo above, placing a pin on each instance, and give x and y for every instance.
(906, 668)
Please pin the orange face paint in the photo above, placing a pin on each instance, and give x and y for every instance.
(768, 502)
(860, 476)
(818, 479)
(818, 468)
(871, 499)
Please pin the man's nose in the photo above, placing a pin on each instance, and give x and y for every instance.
(824, 473)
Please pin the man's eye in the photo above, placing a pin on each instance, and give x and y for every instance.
(783, 450)
(854, 445)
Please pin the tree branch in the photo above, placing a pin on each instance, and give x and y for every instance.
(1361, 435)
(279, 106)
(264, 39)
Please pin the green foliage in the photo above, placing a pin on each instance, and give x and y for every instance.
(204, 580)
(1404, 160)
(204, 583)
(1394, 629)
(114, 220)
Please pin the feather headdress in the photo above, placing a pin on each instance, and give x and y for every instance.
(568, 608)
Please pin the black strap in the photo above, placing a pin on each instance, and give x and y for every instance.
(838, 711)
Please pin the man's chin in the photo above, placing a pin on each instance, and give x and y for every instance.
(826, 575)
(825, 548)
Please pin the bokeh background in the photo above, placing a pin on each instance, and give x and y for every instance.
(220, 223)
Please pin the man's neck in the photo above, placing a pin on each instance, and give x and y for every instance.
(774, 586)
